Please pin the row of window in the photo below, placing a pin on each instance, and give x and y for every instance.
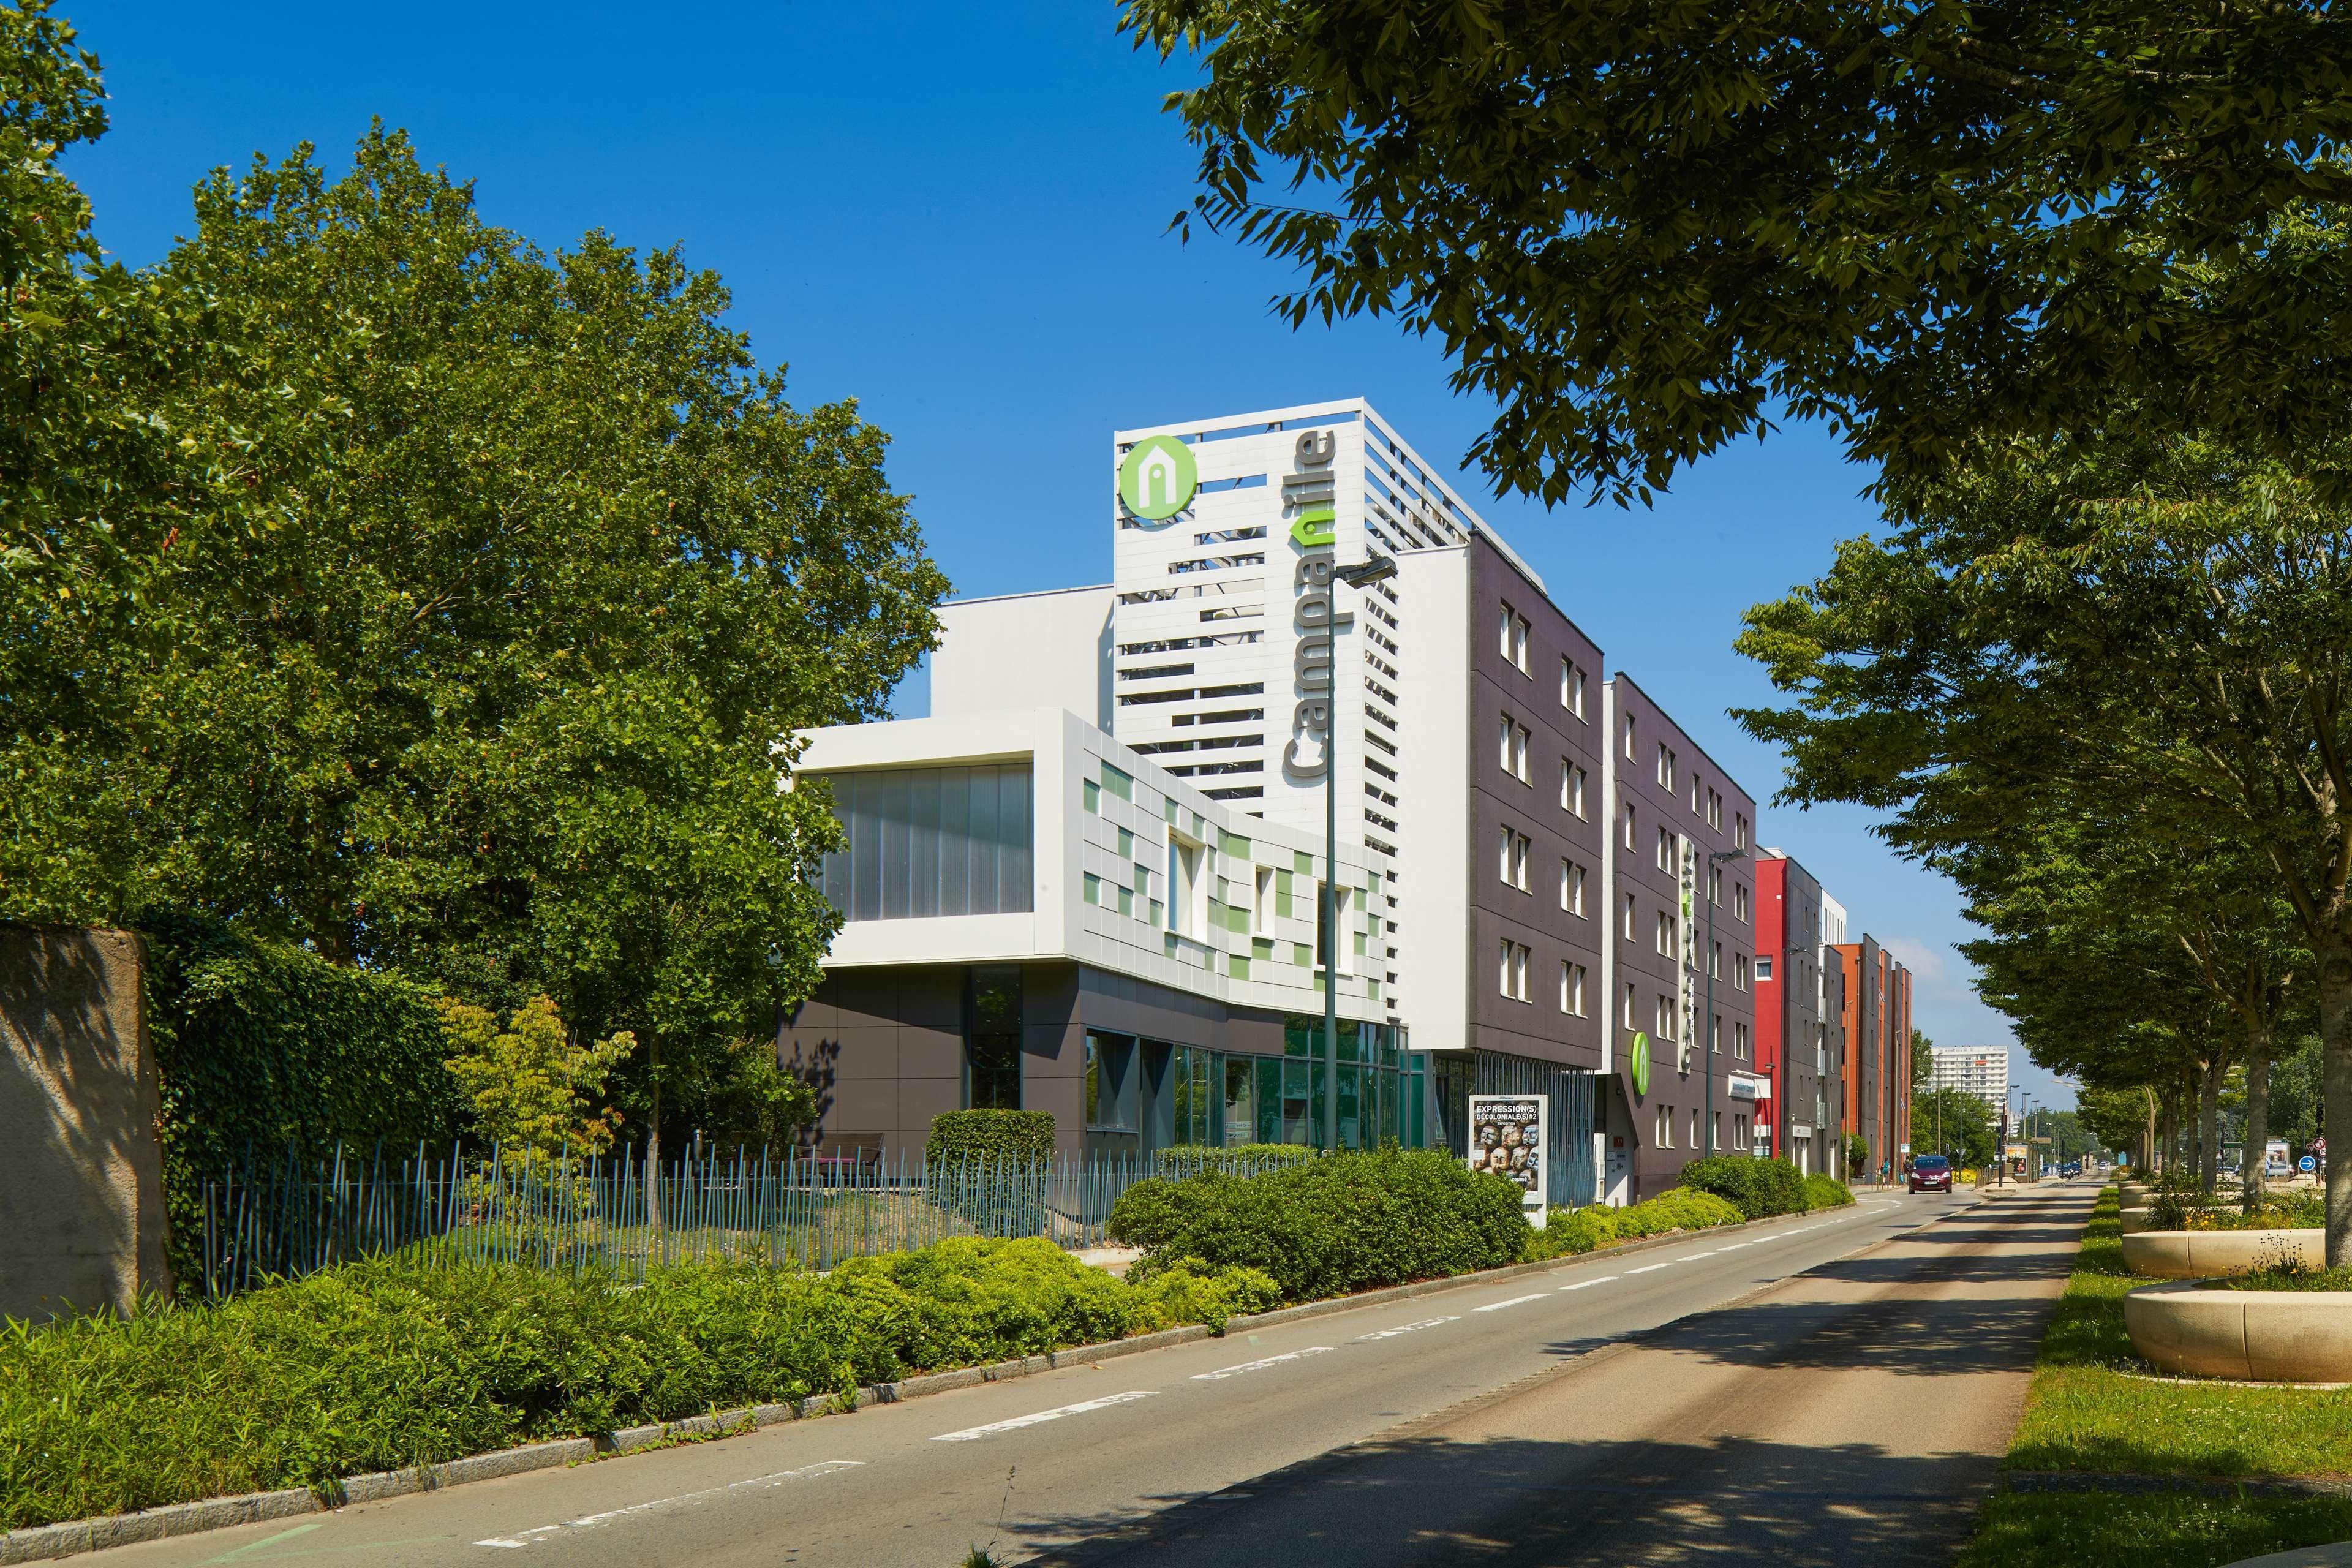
(1514, 851)
(1513, 638)
(1513, 743)
(1740, 1129)
(1668, 859)
(1707, 805)
(1514, 966)
(1665, 1022)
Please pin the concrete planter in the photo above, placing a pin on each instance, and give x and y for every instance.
(2216, 1253)
(2256, 1336)
(2138, 1220)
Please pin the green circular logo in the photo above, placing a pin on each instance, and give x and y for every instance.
(1640, 1064)
(1157, 478)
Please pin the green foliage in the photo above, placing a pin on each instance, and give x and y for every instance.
(1857, 1154)
(1955, 1123)
(1022, 1136)
(1571, 1232)
(396, 588)
(1647, 232)
(374, 1366)
(2112, 1529)
(2291, 1274)
(1757, 1188)
(1332, 1225)
(1567, 1232)
(262, 1047)
(531, 1085)
(1825, 1192)
(1180, 1159)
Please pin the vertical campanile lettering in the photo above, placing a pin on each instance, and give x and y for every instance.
(1311, 489)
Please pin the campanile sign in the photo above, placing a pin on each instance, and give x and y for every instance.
(1309, 493)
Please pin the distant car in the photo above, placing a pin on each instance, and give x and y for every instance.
(1931, 1174)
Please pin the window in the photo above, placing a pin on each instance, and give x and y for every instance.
(1665, 851)
(1629, 739)
(1739, 832)
(1518, 654)
(919, 842)
(1694, 786)
(1571, 688)
(1571, 787)
(1715, 962)
(991, 1038)
(1512, 970)
(1715, 811)
(1739, 900)
(1109, 1083)
(1715, 885)
(1511, 748)
(1519, 755)
(1625, 1014)
(1571, 887)
(1665, 935)
(1512, 850)
(1739, 1039)
(1505, 629)
(1262, 901)
(1714, 1034)
(1629, 917)
(1571, 989)
(1739, 972)
(1694, 1126)
(1188, 889)
(1763, 969)
(1665, 769)
(1666, 1019)
(1503, 737)
(1665, 1128)
(1629, 827)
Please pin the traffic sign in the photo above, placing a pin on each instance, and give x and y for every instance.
(2306, 1164)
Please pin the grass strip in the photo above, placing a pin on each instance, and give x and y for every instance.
(2093, 1408)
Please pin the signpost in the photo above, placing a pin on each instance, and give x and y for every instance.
(1510, 1135)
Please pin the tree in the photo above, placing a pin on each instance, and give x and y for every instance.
(465, 626)
(532, 1088)
(1923, 1063)
(2161, 623)
(2116, 1117)
(1955, 1123)
(1644, 230)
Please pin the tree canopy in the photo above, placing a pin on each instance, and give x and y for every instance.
(375, 581)
(1644, 230)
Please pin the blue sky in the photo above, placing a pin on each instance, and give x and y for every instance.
(963, 228)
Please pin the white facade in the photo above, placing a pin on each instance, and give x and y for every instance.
(1980, 1070)
(1132, 870)
(1051, 649)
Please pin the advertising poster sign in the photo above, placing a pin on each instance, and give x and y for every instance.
(1509, 1135)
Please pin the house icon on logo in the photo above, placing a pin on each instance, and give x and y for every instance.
(1158, 478)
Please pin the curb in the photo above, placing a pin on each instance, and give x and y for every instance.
(46, 1543)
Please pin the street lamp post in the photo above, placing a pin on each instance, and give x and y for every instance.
(1378, 569)
(1706, 1024)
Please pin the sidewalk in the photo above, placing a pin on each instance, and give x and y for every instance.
(1853, 1415)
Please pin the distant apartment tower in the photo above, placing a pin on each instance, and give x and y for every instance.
(1980, 1070)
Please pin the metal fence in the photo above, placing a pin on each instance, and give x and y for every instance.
(623, 1214)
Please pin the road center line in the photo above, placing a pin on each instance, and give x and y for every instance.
(1734, 1246)
(1686, 1257)
(1587, 1284)
(1257, 1365)
(971, 1434)
(1498, 1306)
(532, 1537)
(1401, 1329)
(1653, 1269)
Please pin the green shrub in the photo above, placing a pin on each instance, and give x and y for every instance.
(1331, 1225)
(1569, 1232)
(1684, 1209)
(378, 1366)
(1759, 1189)
(1823, 1192)
(1024, 1136)
(1183, 1159)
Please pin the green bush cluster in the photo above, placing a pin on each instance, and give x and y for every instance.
(1825, 1191)
(1569, 1231)
(1183, 1159)
(1759, 1189)
(1331, 1225)
(1024, 1136)
(378, 1366)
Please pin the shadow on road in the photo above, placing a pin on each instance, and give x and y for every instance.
(1421, 1501)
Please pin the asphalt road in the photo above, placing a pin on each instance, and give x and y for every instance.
(1484, 1421)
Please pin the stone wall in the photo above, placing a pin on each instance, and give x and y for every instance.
(81, 1186)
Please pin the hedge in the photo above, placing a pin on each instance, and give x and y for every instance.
(1569, 1231)
(1332, 1225)
(1759, 1189)
(378, 1366)
(1026, 1136)
(1183, 1159)
(1825, 1191)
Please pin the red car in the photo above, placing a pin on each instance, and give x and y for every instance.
(1931, 1174)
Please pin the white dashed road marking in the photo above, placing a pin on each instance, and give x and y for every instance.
(1586, 1284)
(971, 1434)
(1498, 1306)
(587, 1521)
(1402, 1329)
(1255, 1365)
(1653, 1269)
